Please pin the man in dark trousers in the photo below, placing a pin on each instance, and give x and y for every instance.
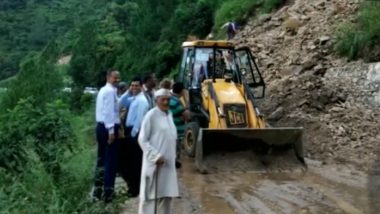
(124, 103)
(107, 118)
(138, 108)
(231, 29)
(180, 116)
(149, 85)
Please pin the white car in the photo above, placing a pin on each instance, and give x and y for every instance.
(90, 90)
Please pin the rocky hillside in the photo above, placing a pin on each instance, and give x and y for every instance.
(308, 85)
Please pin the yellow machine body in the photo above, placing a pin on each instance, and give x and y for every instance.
(226, 114)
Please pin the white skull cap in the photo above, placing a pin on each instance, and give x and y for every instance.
(162, 93)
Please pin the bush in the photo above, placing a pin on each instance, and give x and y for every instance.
(350, 41)
(34, 189)
(269, 5)
(86, 101)
(360, 40)
(45, 130)
(38, 78)
(80, 102)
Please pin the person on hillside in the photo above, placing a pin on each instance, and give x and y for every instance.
(231, 29)
(157, 139)
(149, 85)
(180, 116)
(107, 118)
(138, 108)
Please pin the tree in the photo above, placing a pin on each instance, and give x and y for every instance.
(82, 65)
(39, 31)
(37, 78)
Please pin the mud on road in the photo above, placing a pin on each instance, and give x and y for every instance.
(321, 189)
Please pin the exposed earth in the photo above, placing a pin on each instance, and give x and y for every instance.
(322, 189)
(337, 102)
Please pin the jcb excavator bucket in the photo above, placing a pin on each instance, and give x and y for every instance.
(267, 144)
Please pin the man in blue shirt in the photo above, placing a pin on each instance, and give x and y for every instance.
(124, 103)
(137, 110)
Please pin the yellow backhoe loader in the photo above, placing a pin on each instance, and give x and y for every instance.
(223, 85)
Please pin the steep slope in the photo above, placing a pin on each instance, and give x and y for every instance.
(335, 100)
(27, 26)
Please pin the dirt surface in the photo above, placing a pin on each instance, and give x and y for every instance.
(322, 189)
(309, 86)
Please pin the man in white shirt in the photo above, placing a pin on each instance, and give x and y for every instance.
(157, 139)
(107, 118)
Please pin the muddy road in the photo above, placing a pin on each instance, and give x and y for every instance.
(321, 189)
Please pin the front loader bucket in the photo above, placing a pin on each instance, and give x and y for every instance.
(266, 144)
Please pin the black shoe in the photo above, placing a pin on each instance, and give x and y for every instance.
(108, 195)
(132, 195)
(178, 164)
(96, 194)
(108, 200)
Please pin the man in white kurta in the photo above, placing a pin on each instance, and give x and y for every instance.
(157, 139)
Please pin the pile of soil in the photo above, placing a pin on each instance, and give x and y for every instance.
(337, 102)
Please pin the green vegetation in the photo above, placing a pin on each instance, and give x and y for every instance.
(142, 36)
(135, 36)
(269, 5)
(4, 83)
(28, 25)
(362, 39)
(46, 153)
(239, 11)
(234, 10)
(46, 144)
(37, 189)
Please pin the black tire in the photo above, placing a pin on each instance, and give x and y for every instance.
(190, 138)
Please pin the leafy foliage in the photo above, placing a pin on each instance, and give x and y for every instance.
(37, 77)
(28, 25)
(269, 5)
(46, 153)
(135, 36)
(35, 189)
(361, 40)
(45, 130)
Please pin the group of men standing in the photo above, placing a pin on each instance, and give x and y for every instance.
(139, 135)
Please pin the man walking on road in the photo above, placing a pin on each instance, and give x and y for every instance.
(138, 108)
(159, 181)
(107, 118)
(180, 116)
